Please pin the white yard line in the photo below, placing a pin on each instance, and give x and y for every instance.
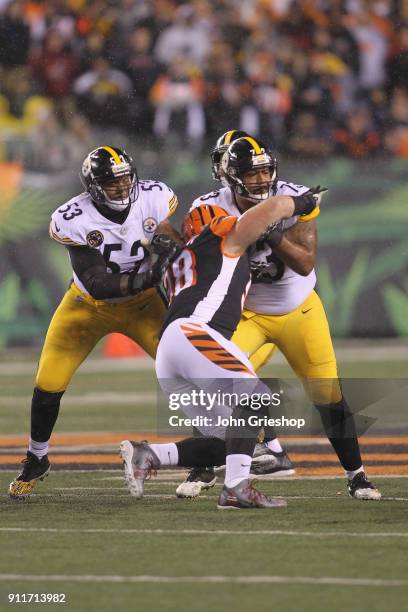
(124, 493)
(181, 474)
(169, 483)
(161, 476)
(326, 580)
(213, 532)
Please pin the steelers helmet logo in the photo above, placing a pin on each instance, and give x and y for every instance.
(150, 225)
(94, 238)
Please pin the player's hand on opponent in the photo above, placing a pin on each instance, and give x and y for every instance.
(307, 202)
(273, 235)
(163, 250)
(164, 245)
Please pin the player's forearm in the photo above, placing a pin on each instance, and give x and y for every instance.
(103, 285)
(299, 258)
(255, 221)
(90, 267)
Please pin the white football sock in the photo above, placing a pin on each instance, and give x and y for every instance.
(39, 449)
(237, 468)
(274, 446)
(167, 453)
(350, 474)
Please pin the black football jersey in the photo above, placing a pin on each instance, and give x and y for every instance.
(206, 283)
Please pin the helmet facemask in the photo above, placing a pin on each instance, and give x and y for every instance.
(125, 195)
(216, 157)
(221, 146)
(255, 191)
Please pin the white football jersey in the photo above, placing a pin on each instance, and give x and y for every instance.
(79, 223)
(278, 289)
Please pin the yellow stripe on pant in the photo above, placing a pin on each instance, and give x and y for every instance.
(80, 322)
(303, 336)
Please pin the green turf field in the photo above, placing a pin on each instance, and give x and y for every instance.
(83, 526)
(83, 536)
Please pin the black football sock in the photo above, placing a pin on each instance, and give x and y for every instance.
(44, 413)
(201, 452)
(241, 439)
(338, 423)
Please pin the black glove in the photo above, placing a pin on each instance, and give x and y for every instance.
(162, 244)
(307, 202)
(139, 281)
(258, 269)
(165, 249)
(273, 238)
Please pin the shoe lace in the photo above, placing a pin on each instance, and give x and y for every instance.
(253, 494)
(361, 481)
(150, 471)
(27, 462)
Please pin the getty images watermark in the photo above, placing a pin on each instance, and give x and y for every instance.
(219, 407)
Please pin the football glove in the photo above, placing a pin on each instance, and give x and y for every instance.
(164, 249)
(162, 244)
(307, 202)
(273, 237)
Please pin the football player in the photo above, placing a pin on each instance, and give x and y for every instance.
(106, 230)
(277, 462)
(282, 306)
(207, 284)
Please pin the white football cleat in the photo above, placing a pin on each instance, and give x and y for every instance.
(198, 479)
(139, 461)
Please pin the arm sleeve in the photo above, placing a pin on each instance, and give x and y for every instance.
(90, 267)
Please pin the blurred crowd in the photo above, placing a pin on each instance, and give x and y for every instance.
(311, 77)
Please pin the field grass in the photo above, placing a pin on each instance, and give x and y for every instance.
(81, 534)
(100, 531)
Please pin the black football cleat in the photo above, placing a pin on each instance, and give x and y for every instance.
(360, 487)
(34, 469)
(198, 479)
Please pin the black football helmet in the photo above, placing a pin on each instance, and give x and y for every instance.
(221, 146)
(107, 164)
(244, 155)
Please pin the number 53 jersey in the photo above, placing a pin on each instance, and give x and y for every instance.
(79, 223)
(276, 289)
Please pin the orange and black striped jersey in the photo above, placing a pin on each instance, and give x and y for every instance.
(206, 283)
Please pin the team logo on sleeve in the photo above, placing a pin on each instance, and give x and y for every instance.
(94, 238)
(150, 225)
